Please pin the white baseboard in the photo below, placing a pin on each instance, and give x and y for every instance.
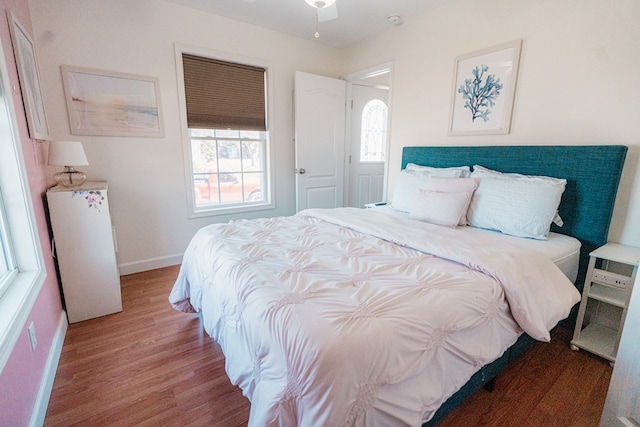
(49, 374)
(149, 264)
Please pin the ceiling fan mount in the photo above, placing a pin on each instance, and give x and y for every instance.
(320, 4)
(326, 10)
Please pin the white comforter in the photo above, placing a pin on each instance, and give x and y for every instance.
(357, 317)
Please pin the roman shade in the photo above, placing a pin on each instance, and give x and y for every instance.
(224, 95)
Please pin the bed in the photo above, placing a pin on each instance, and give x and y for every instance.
(365, 317)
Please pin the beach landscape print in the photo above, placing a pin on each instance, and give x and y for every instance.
(112, 104)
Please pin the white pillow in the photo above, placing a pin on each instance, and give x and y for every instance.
(480, 171)
(415, 177)
(406, 190)
(519, 207)
(440, 208)
(452, 172)
(454, 185)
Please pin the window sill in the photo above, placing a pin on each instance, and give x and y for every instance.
(201, 213)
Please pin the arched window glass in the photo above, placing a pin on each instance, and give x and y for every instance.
(373, 140)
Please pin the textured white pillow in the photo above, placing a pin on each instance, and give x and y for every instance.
(452, 172)
(406, 190)
(481, 171)
(415, 177)
(439, 207)
(519, 207)
(454, 185)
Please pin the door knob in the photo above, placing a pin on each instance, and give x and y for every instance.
(302, 171)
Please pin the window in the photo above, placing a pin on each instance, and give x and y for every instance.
(22, 270)
(227, 135)
(373, 140)
(8, 267)
(228, 167)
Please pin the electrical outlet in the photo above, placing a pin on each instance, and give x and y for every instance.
(609, 278)
(32, 336)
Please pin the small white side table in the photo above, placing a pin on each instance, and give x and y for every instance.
(610, 275)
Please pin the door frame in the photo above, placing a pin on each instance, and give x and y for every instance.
(358, 76)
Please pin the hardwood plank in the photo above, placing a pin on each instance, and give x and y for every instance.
(148, 365)
(549, 385)
(151, 365)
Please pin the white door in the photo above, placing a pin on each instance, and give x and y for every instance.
(369, 117)
(319, 108)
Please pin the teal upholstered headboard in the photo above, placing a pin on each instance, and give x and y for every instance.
(592, 173)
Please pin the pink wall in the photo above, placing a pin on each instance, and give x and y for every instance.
(24, 371)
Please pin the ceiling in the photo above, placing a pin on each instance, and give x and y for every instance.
(357, 19)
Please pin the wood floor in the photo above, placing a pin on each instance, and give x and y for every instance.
(153, 366)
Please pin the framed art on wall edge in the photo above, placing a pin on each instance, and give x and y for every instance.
(483, 90)
(112, 104)
(27, 64)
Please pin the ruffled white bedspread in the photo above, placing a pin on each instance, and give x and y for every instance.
(357, 317)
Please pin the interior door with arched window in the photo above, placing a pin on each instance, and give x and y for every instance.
(368, 148)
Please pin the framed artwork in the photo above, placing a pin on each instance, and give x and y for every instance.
(483, 90)
(112, 104)
(24, 51)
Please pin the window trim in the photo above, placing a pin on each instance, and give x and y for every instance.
(7, 257)
(270, 195)
(20, 296)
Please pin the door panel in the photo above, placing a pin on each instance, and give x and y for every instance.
(366, 179)
(369, 189)
(319, 108)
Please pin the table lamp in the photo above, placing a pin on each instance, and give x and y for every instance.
(68, 154)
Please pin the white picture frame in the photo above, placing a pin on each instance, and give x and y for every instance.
(107, 103)
(27, 64)
(483, 90)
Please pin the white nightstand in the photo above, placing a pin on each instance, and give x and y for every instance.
(85, 250)
(605, 298)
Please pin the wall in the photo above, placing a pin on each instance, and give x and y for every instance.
(22, 377)
(577, 84)
(146, 175)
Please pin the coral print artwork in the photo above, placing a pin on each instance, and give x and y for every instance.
(483, 91)
(480, 93)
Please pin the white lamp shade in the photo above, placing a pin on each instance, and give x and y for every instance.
(67, 153)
